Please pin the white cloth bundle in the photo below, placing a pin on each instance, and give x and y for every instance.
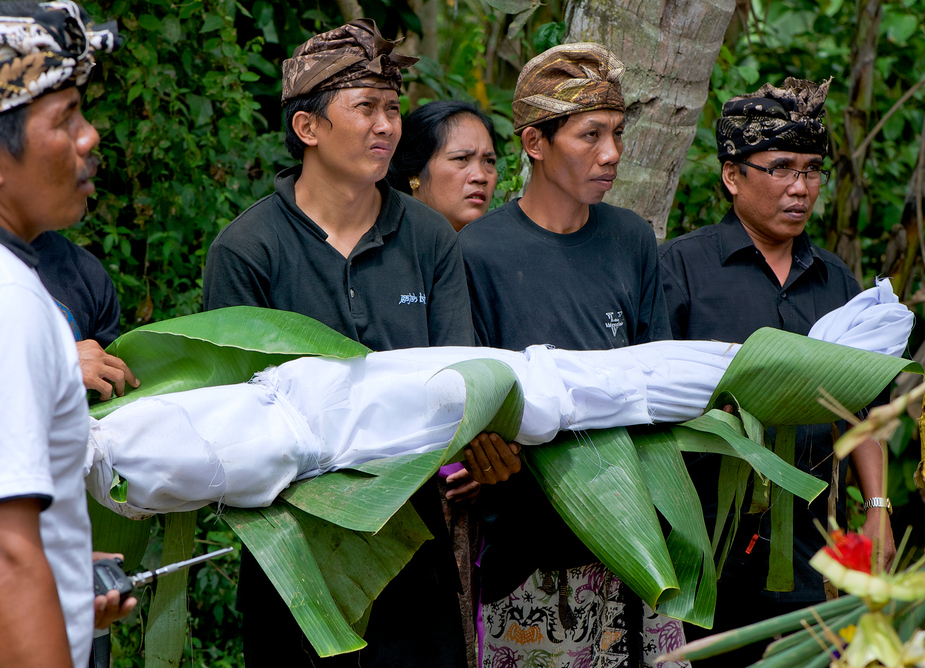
(243, 444)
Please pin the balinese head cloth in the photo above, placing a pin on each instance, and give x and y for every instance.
(774, 119)
(49, 48)
(565, 80)
(352, 56)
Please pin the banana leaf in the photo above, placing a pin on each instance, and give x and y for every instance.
(219, 347)
(676, 499)
(277, 540)
(364, 498)
(115, 533)
(357, 566)
(595, 481)
(776, 377)
(167, 621)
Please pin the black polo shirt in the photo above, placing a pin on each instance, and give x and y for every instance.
(402, 286)
(718, 286)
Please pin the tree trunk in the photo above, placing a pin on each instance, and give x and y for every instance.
(849, 168)
(428, 45)
(350, 10)
(669, 49)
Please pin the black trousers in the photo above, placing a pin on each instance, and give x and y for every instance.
(415, 622)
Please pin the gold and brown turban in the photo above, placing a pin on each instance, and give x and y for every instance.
(774, 119)
(352, 56)
(566, 80)
(48, 48)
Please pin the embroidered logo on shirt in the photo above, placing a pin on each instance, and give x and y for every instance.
(615, 321)
(419, 298)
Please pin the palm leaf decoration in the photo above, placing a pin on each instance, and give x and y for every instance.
(321, 532)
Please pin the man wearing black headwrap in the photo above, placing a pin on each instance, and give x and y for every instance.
(758, 268)
(46, 171)
(336, 243)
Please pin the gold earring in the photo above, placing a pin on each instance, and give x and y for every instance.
(414, 183)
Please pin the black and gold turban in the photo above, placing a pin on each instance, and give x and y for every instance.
(352, 56)
(565, 80)
(774, 119)
(47, 49)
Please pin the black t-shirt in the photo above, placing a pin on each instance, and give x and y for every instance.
(403, 286)
(594, 289)
(80, 285)
(718, 286)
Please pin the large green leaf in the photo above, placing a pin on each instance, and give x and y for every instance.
(357, 566)
(676, 499)
(276, 539)
(780, 569)
(776, 377)
(364, 499)
(595, 482)
(168, 616)
(115, 533)
(218, 348)
(766, 462)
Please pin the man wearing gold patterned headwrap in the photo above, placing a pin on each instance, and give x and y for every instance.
(560, 267)
(336, 243)
(758, 268)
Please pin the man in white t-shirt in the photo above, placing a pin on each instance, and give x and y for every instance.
(47, 607)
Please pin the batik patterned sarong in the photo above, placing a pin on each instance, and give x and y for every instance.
(609, 626)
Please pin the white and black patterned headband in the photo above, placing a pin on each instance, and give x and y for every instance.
(49, 46)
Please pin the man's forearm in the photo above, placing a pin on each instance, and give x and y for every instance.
(32, 630)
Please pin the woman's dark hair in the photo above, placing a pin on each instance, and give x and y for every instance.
(316, 104)
(424, 132)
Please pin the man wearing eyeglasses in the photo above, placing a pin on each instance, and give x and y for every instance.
(758, 268)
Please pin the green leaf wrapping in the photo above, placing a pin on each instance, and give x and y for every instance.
(219, 347)
(276, 539)
(167, 618)
(595, 482)
(676, 499)
(780, 569)
(114, 533)
(776, 377)
(364, 498)
(770, 465)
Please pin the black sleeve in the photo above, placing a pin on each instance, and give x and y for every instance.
(653, 322)
(677, 298)
(449, 317)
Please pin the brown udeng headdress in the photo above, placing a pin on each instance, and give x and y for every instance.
(565, 80)
(351, 56)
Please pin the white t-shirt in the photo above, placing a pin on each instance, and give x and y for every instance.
(43, 437)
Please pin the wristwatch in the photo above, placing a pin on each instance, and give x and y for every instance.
(878, 502)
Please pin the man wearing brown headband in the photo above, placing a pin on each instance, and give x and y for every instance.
(559, 267)
(336, 243)
(758, 268)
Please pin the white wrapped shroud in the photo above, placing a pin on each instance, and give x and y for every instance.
(243, 444)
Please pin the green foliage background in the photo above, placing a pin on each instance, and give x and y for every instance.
(190, 123)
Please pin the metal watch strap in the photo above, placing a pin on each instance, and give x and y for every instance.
(878, 502)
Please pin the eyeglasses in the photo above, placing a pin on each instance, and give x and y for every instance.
(814, 177)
